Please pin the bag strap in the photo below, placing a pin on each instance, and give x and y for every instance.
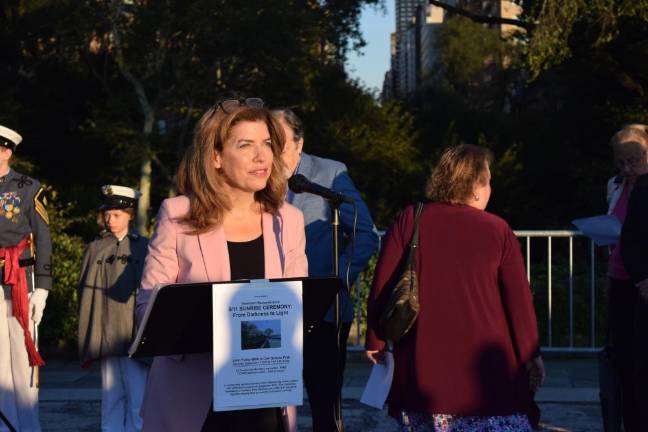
(415, 236)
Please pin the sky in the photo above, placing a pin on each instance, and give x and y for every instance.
(372, 63)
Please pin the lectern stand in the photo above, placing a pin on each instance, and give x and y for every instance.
(178, 318)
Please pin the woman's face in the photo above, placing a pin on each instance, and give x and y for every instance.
(482, 192)
(246, 159)
(631, 158)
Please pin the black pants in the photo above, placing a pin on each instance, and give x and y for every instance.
(254, 420)
(628, 336)
(324, 371)
(641, 357)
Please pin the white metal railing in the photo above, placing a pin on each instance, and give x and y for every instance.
(570, 235)
(525, 237)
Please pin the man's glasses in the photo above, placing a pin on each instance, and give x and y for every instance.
(229, 105)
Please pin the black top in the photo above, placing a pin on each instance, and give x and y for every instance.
(246, 259)
(246, 262)
(634, 233)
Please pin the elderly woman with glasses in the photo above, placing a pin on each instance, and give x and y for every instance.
(230, 223)
(628, 272)
(471, 360)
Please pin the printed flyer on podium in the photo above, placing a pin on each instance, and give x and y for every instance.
(258, 344)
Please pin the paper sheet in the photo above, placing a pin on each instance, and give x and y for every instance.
(377, 388)
(604, 230)
(258, 344)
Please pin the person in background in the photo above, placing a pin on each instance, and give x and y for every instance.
(230, 223)
(25, 281)
(322, 380)
(471, 361)
(111, 273)
(628, 273)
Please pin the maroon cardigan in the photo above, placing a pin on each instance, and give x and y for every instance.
(477, 325)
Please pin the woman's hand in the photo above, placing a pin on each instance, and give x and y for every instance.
(289, 418)
(375, 356)
(536, 371)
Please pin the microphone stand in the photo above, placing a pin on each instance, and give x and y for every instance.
(335, 225)
(298, 184)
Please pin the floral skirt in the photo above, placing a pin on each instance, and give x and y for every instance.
(422, 422)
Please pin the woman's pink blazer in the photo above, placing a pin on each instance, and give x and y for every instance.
(179, 388)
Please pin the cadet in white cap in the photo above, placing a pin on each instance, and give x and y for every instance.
(25, 280)
(110, 276)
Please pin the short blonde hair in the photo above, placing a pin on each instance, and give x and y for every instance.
(459, 169)
(202, 183)
(632, 132)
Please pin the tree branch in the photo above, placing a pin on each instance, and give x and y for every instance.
(165, 171)
(147, 109)
(529, 26)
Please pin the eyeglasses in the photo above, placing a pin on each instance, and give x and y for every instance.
(230, 104)
(631, 161)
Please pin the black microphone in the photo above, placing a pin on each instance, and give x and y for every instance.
(298, 184)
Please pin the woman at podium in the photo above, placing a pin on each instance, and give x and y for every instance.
(230, 223)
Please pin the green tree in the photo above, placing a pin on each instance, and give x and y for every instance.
(577, 74)
(376, 142)
(146, 69)
(561, 22)
(60, 322)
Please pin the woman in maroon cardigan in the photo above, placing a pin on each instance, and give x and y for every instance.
(472, 359)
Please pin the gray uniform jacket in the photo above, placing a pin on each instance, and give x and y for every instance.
(110, 276)
(22, 212)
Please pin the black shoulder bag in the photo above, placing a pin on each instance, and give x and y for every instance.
(400, 311)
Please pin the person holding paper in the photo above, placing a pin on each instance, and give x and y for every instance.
(471, 360)
(628, 273)
(110, 276)
(230, 222)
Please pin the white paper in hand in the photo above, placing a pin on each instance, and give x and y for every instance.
(604, 230)
(379, 383)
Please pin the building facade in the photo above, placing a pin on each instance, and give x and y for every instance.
(413, 45)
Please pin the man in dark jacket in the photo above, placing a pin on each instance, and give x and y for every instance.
(632, 157)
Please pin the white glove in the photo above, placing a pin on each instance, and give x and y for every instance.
(37, 304)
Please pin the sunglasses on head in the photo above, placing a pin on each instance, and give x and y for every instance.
(230, 104)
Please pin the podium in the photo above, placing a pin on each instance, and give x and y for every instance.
(178, 318)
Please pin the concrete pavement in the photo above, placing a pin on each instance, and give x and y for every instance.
(71, 398)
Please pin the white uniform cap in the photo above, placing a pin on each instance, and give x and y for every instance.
(126, 192)
(119, 197)
(9, 138)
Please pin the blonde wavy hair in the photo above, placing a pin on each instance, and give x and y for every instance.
(199, 180)
(457, 172)
(631, 132)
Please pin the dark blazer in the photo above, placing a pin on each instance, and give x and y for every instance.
(476, 327)
(23, 211)
(634, 234)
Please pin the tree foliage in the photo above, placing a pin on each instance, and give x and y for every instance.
(104, 91)
(60, 322)
(547, 109)
(568, 25)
